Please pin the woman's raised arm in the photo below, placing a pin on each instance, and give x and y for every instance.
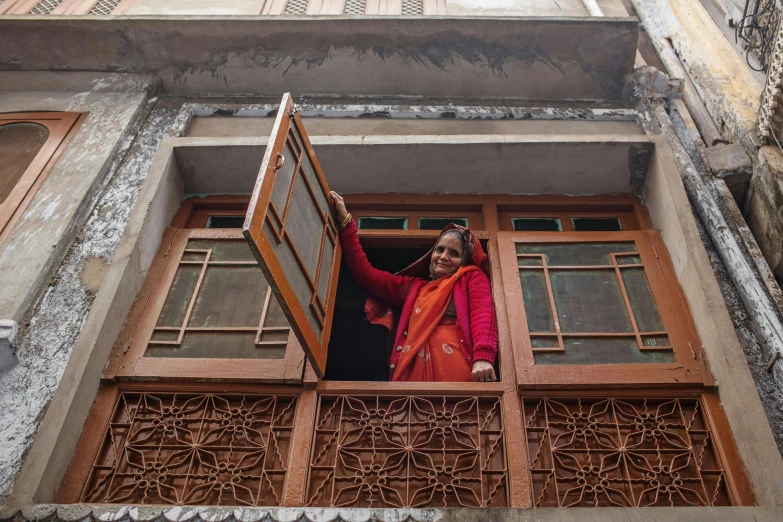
(390, 288)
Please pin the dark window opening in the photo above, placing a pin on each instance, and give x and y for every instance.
(382, 223)
(225, 221)
(438, 223)
(358, 350)
(536, 224)
(596, 224)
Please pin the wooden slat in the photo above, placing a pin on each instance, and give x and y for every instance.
(294, 489)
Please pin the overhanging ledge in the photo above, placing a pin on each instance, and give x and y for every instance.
(557, 59)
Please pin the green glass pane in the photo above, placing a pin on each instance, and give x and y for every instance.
(656, 340)
(570, 254)
(629, 260)
(437, 223)
(603, 350)
(180, 293)
(589, 301)
(642, 301)
(230, 296)
(543, 342)
(222, 250)
(536, 298)
(529, 261)
(536, 224)
(596, 224)
(218, 345)
(383, 223)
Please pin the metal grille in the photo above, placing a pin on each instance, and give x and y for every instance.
(104, 7)
(622, 452)
(412, 7)
(408, 452)
(296, 7)
(193, 449)
(45, 7)
(354, 7)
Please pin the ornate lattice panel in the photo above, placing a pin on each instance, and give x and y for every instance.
(622, 452)
(296, 7)
(412, 7)
(354, 7)
(104, 7)
(408, 452)
(45, 7)
(193, 449)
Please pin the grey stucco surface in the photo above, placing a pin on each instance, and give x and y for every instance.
(59, 316)
(522, 58)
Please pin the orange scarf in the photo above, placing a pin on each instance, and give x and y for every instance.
(430, 305)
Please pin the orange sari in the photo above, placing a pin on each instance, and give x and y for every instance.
(433, 351)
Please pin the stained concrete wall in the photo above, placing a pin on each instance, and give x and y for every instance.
(30, 256)
(519, 58)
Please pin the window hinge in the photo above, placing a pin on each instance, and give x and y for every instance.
(294, 110)
(656, 252)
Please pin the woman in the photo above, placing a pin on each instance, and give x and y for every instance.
(447, 329)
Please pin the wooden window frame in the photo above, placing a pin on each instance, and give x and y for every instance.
(61, 126)
(683, 371)
(131, 362)
(511, 389)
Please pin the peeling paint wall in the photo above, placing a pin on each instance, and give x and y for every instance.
(59, 316)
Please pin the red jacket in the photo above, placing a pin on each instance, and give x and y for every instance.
(472, 300)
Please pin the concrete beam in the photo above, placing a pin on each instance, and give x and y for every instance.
(565, 164)
(515, 58)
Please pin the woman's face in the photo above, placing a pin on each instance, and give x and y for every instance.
(447, 256)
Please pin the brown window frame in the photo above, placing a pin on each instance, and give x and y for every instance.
(61, 126)
(682, 371)
(133, 364)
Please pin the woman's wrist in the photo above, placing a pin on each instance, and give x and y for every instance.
(345, 220)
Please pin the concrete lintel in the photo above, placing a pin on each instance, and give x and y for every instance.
(64, 81)
(519, 58)
(565, 164)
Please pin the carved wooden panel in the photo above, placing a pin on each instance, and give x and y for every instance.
(408, 451)
(622, 452)
(193, 449)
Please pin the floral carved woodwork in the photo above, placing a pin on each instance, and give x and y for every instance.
(193, 449)
(408, 452)
(617, 452)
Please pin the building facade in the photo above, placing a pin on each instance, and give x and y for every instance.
(179, 336)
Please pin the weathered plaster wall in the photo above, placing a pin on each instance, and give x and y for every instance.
(59, 317)
(224, 126)
(524, 58)
(46, 228)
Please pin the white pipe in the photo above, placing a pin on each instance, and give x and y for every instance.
(593, 8)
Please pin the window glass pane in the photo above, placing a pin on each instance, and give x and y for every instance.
(596, 224)
(383, 223)
(536, 224)
(570, 254)
(589, 301)
(231, 298)
(218, 345)
(19, 144)
(642, 301)
(437, 223)
(536, 296)
(603, 350)
(225, 221)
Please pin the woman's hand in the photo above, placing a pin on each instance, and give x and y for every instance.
(483, 371)
(338, 206)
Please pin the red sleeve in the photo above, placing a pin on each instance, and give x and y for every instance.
(483, 326)
(389, 288)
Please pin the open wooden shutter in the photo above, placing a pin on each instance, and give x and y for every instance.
(293, 235)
